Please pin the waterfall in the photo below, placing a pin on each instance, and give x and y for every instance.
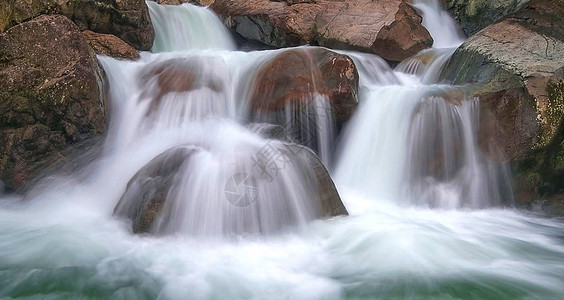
(441, 26)
(202, 190)
(416, 140)
(186, 26)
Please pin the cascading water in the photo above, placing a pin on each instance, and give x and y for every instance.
(425, 148)
(179, 28)
(182, 126)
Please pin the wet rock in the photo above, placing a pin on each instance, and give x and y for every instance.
(145, 201)
(311, 92)
(50, 97)
(474, 15)
(110, 45)
(127, 19)
(181, 75)
(294, 77)
(357, 25)
(146, 193)
(517, 68)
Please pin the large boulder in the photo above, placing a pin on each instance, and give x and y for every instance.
(50, 96)
(127, 19)
(155, 202)
(305, 90)
(294, 77)
(391, 29)
(474, 15)
(517, 68)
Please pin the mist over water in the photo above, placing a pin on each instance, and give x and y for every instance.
(426, 217)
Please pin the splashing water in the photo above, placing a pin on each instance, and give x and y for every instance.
(64, 242)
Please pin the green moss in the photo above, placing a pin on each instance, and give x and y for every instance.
(4, 56)
(555, 105)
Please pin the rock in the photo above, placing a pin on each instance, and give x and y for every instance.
(145, 201)
(273, 23)
(110, 45)
(181, 75)
(474, 15)
(178, 2)
(127, 19)
(311, 92)
(391, 29)
(294, 77)
(50, 97)
(517, 68)
(145, 195)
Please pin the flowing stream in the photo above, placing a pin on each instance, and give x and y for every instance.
(428, 216)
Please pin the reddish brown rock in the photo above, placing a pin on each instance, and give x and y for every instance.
(404, 37)
(50, 96)
(391, 29)
(181, 75)
(110, 45)
(294, 77)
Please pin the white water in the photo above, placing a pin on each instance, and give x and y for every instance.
(439, 23)
(187, 26)
(63, 242)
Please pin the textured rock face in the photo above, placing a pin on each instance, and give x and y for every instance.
(50, 96)
(474, 15)
(391, 29)
(110, 45)
(517, 67)
(294, 77)
(127, 19)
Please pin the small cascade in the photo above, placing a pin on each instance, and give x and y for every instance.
(445, 166)
(416, 140)
(427, 65)
(441, 26)
(186, 26)
(230, 182)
